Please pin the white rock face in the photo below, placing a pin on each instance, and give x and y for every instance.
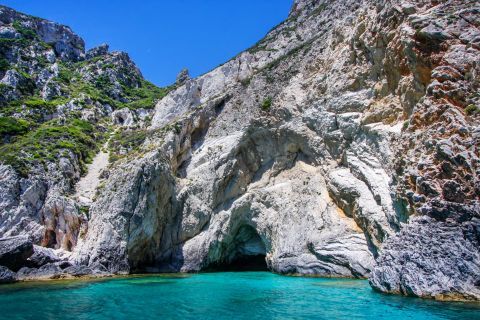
(294, 150)
(87, 186)
(123, 117)
(303, 182)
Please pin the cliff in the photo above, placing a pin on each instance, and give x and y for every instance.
(344, 143)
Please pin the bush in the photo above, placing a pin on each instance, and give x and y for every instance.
(145, 96)
(25, 32)
(471, 109)
(40, 104)
(126, 140)
(12, 126)
(266, 104)
(246, 82)
(65, 75)
(4, 88)
(4, 65)
(103, 83)
(6, 44)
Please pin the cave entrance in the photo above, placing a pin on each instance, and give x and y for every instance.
(245, 253)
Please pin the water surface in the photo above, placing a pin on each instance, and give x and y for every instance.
(228, 295)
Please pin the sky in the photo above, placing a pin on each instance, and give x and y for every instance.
(165, 36)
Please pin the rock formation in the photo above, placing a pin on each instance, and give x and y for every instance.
(344, 143)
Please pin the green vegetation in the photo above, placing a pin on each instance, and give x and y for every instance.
(318, 10)
(47, 141)
(7, 44)
(77, 88)
(4, 88)
(257, 48)
(28, 140)
(35, 105)
(42, 61)
(145, 96)
(127, 141)
(12, 126)
(27, 87)
(246, 82)
(4, 65)
(103, 83)
(305, 47)
(266, 104)
(85, 210)
(471, 109)
(25, 32)
(65, 75)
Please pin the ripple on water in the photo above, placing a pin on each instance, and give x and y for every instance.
(230, 295)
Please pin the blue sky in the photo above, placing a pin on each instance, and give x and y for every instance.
(164, 36)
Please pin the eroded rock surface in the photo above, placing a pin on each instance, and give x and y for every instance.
(7, 275)
(444, 265)
(323, 140)
(15, 251)
(344, 143)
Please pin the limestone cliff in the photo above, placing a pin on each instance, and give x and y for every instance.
(58, 104)
(344, 143)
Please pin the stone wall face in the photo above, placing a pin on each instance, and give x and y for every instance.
(328, 137)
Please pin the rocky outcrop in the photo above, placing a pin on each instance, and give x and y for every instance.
(15, 251)
(56, 106)
(7, 276)
(67, 45)
(42, 256)
(123, 117)
(101, 50)
(182, 77)
(223, 171)
(445, 264)
(55, 103)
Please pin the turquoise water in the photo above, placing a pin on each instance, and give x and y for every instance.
(242, 295)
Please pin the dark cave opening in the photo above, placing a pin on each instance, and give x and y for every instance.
(243, 263)
(49, 239)
(245, 253)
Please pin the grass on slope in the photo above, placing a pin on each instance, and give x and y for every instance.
(49, 142)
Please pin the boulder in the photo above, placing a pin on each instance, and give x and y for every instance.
(182, 77)
(48, 271)
(101, 50)
(123, 117)
(42, 256)
(79, 271)
(7, 275)
(15, 251)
